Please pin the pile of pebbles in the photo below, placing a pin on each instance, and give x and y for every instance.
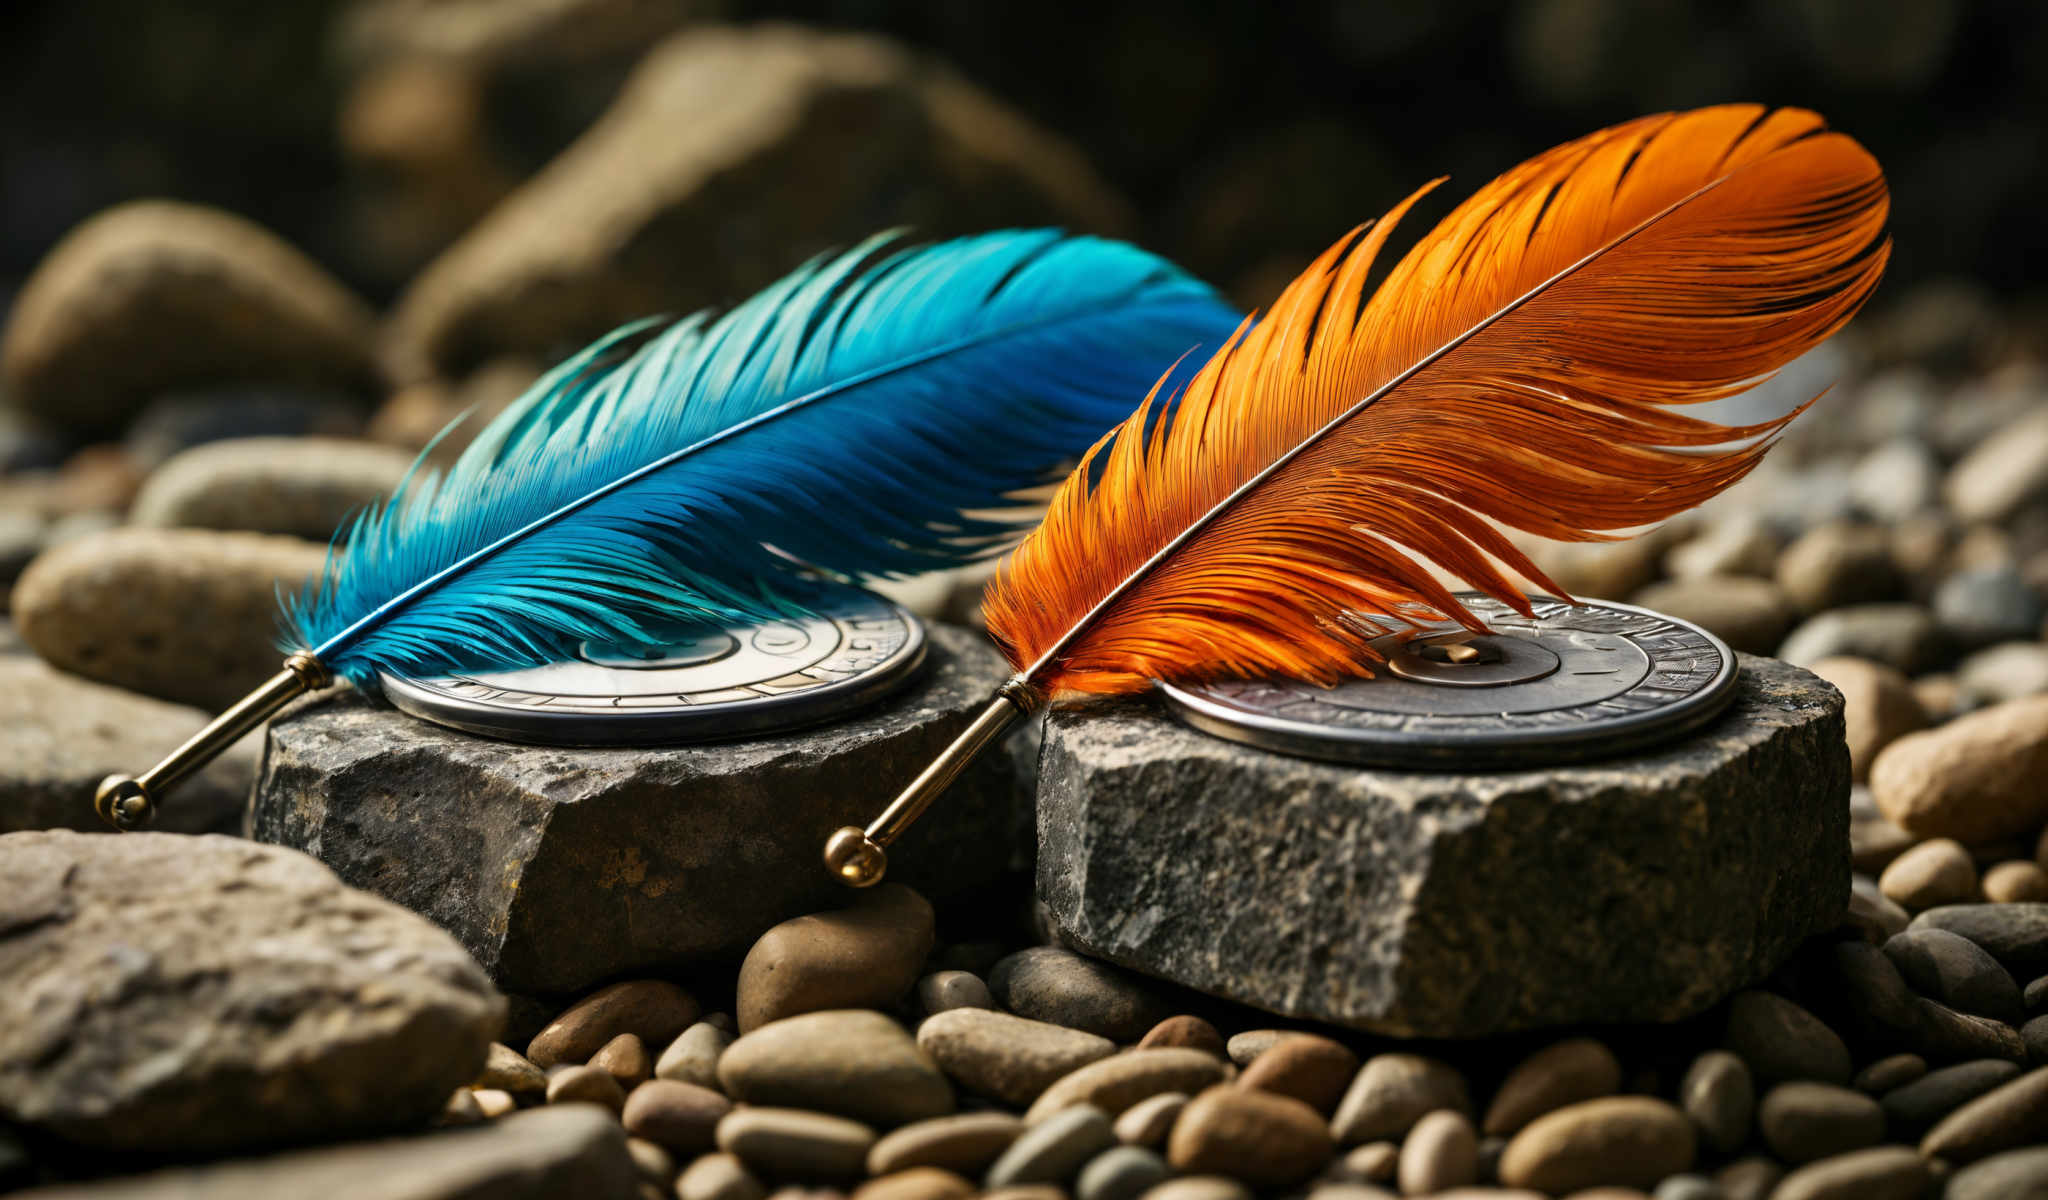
(1899, 1055)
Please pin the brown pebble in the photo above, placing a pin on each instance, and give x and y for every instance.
(586, 1085)
(1026, 1191)
(680, 1116)
(719, 1177)
(1892, 1071)
(1374, 1161)
(2015, 882)
(1199, 1187)
(495, 1102)
(652, 1010)
(916, 1183)
(1563, 1073)
(1120, 1081)
(624, 1058)
(793, 1143)
(508, 1070)
(1749, 1178)
(1268, 1141)
(1192, 1033)
(1314, 1070)
(1617, 1140)
(657, 1166)
(1935, 872)
(965, 1143)
(1147, 1122)
(863, 956)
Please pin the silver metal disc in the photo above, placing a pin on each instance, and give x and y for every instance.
(706, 682)
(1579, 682)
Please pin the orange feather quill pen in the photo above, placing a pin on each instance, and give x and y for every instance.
(1520, 365)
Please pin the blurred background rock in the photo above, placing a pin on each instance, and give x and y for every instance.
(230, 221)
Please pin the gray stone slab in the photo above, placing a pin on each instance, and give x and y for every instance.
(1448, 905)
(559, 868)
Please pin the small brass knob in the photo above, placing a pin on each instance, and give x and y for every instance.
(854, 858)
(124, 803)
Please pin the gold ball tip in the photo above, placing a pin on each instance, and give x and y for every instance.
(855, 859)
(124, 803)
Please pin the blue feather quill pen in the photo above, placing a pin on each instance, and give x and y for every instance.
(857, 418)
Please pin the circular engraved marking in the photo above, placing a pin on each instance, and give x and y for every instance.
(1578, 682)
(696, 683)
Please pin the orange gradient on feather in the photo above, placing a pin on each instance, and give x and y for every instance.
(1529, 349)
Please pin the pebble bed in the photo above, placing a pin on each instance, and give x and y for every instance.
(1906, 1050)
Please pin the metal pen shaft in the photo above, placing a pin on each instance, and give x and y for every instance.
(129, 802)
(858, 857)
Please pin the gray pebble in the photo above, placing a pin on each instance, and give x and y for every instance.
(1878, 1173)
(1392, 1092)
(1987, 604)
(1719, 1096)
(2035, 997)
(693, 1056)
(2012, 1175)
(942, 990)
(1046, 983)
(1780, 1040)
(1749, 1178)
(1803, 1121)
(1122, 1173)
(1957, 972)
(1688, 1187)
(1914, 1108)
(1054, 1149)
(796, 1143)
(1246, 1046)
(2015, 934)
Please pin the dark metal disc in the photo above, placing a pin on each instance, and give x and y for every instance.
(1580, 682)
(702, 683)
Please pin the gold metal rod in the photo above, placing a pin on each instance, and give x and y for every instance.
(129, 802)
(858, 857)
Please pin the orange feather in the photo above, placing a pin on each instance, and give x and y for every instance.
(1519, 365)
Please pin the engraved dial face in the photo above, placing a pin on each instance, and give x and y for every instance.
(700, 683)
(1578, 682)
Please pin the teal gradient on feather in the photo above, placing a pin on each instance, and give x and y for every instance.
(849, 419)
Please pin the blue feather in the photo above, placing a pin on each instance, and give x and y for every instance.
(849, 419)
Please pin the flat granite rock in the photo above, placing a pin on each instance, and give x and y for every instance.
(559, 868)
(169, 993)
(1448, 905)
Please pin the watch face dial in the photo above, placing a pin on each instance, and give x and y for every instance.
(698, 683)
(1578, 682)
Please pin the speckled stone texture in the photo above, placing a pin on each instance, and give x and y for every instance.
(560, 868)
(1447, 905)
(169, 993)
